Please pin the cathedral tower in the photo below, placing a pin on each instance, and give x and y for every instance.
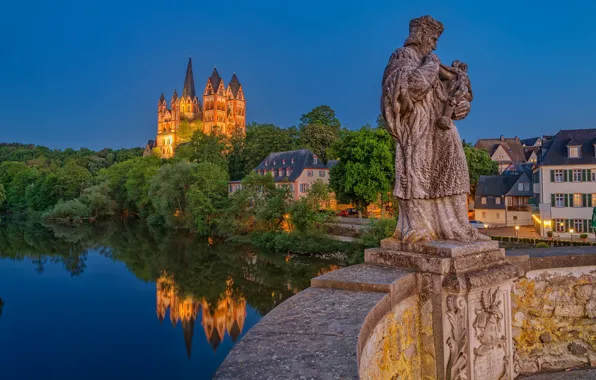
(236, 106)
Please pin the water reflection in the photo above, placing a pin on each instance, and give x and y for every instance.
(227, 315)
(215, 292)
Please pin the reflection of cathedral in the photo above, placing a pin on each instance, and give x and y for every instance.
(228, 315)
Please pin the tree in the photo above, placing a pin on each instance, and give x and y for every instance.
(208, 196)
(73, 179)
(318, 194)
(203, 148)
(263, 139)
(479, 163)
(2, 195)
(237, 160)
(97, 200)
(365, 170)
(319, 138)
(321, 115)
(167, 191)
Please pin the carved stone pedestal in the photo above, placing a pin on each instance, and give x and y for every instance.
(465, 306)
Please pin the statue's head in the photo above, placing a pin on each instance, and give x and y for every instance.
(424, 33)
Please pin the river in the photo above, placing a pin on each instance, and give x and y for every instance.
(122, 300)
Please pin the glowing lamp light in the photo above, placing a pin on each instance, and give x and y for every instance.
(571, 230)
(486, 226)
(547, 222)
(517, 227)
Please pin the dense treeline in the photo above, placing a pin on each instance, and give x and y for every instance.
(190, 191)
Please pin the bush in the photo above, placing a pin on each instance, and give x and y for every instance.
(542, 245)
(380, 229)
(298, 243)
(583, 236)
(73, 209)
(549, 234)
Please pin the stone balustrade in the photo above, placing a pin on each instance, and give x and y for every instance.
(372, 321)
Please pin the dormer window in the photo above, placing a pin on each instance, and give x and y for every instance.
(315, 159)
(292, 160)
(283, 161)
(266, 163)
(573, 152)
(288, 171)
(280, 172)
(273, 162)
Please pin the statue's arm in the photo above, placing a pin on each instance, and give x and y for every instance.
(422, 78)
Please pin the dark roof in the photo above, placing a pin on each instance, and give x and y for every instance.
(529, 149)
(215, 79)
(303, 159)
(573, 142)
(151, 144)
(234, 85)
(492, 186)
(189, 82)
(162, 98)
(530, 142)
(495, 185)
(512, 146)
(555, 150)
(175, 96)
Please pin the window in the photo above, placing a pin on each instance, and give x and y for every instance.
(560, 225)
(593, 175)
(483, 214)
(315, 159)
(483, 200)
(498, 200)
(498, 215)
(593, 199)
(321, 173)
(292, 160)
(273, 162)
(578, 225)
(577, 200)
(559, 200)
(304, 187)
(520, 187)
(283, 161)
(526, 186)
(577, 175)
(288, 171)
(574, 152)
(309, 173)
(559, 175)
(280, 172)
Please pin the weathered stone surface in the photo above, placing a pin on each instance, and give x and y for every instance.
(556, 257)
(588, 374)
(391, 351)
(409, 260)
(591, 308)
(363, 277)
(420, 99)
(311, 335)
(556, 331)
(479, 279)
(441, 248)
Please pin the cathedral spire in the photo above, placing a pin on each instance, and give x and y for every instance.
(189, 82)
(234, 85)
(215, 79)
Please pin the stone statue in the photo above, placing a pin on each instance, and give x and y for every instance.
(421, 98)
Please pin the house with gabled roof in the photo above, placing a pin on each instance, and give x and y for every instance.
(511, 151)
(503, 200)
(565, 183)
(296, 170)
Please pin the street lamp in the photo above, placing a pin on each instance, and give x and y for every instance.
(571, 233)
(516, 231)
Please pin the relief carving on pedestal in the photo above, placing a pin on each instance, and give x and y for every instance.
(458, 360)
(490, 361)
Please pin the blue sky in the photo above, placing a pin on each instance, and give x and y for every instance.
(89, 74)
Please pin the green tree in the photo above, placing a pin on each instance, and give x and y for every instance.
(318, 194)
(320, 139)
(479, 163)
(321, 115)
(263, 139)
(167, 192)
(365, 170)
(2, 194)
(203, 148)
(207, 196)
(237, 159)
(73, 179)
(97, 200)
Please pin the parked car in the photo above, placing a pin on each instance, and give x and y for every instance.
(348, 212)
(478, 224)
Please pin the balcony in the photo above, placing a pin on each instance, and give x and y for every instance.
(519, 208)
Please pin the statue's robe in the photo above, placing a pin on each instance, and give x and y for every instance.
(431, 175)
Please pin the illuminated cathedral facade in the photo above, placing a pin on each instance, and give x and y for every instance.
(222, 110)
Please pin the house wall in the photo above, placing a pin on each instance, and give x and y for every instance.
(545, 188)
(497, 217)
(305, 179)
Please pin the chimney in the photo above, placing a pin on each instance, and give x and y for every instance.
(502, 138)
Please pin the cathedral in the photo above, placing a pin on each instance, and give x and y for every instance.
(221, 110)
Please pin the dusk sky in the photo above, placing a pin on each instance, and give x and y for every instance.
(89, 74)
